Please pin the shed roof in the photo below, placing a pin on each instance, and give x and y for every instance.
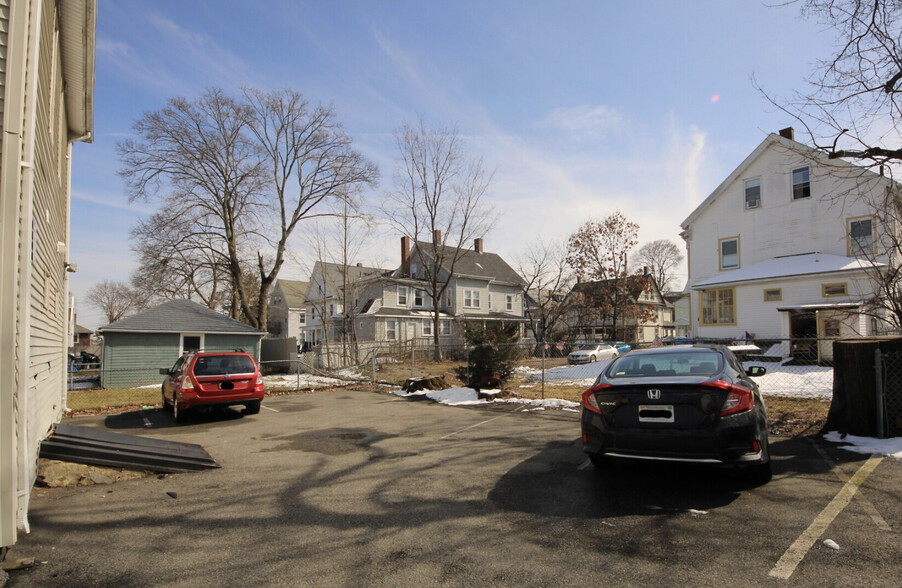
(788, 266)
(180, 316)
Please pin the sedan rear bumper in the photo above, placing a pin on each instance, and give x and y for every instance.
(733, 440)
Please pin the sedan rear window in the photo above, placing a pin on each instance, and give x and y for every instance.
(676, 363)
(214, 365)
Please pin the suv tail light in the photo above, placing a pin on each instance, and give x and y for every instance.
(187, 386)
(589, 401)
(740, 398)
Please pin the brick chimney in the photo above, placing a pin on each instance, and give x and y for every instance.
(405, 255)
(437, 237)
(788, 133)
(359, 264)
(477, 245)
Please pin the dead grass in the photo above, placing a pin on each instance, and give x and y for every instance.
(787, 416)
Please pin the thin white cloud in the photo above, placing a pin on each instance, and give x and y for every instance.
(583, 119)
(112, 201)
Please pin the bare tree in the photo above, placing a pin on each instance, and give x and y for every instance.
(548, 279)
(851, 106)
(174, 262)
(661, 257)
(244, 172)
(115, 300)
(337, 244)
(598, 252)
(438, 194)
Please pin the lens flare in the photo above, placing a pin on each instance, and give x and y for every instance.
(715, 99)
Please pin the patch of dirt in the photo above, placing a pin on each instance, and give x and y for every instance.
(54, 473)
(796, 417)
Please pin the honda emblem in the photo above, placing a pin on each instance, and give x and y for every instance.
(654, 394)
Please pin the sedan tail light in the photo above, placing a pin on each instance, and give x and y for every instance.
(589, 401)
(740, 398)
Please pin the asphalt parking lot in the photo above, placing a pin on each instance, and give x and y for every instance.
(360, 488)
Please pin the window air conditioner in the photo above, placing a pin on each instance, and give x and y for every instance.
(752, 203)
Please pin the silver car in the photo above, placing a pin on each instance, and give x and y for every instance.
(592, 352)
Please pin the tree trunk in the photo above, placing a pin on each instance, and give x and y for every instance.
(854, 407)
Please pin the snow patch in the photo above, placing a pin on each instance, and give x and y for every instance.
(868, 445)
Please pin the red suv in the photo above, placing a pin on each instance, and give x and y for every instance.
(212, 378)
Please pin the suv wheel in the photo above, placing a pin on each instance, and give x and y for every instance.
(178, 414)
(252, 407)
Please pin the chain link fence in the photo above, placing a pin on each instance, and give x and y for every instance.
(796, 368)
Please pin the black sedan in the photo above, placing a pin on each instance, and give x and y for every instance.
(682, 404)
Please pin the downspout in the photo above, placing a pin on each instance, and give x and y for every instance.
(27, 164)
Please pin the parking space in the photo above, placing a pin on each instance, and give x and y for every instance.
(361, 488)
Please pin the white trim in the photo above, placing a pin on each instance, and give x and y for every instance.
(182, 341)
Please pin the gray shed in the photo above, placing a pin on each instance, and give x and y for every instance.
(136, 347)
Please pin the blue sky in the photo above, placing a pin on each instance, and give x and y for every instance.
(581, 109)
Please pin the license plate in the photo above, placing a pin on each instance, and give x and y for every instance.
(655, 413)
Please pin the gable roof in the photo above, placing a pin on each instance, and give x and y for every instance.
(474, 264)
(802, 150)
(294, 292)
(332, 275)
(180, 316)
(789, 266)
(593, 290)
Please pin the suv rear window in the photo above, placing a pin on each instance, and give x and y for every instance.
(214, 365)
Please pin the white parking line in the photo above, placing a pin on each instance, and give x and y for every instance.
(268, 408)
(796, 552)
(866, 504)
(478, 424)
(584, 464)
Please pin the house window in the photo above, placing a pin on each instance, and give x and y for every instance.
(444, 327)
(427, 328)
(402, 295)
(509, 302)
(801, 184)
(331, 309)
(302, 316)
(418, 298)
(829, 290)
(718, 306)
(729, 253)
(391, 330)
(831, 328)
(861, 236)
(753, 193)
(773, 294)
(413, 271)
(471, 298)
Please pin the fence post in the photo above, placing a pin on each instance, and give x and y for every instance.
(878, 375)
(373, 362)
(413, 350)
(543, 371)
(297, 371)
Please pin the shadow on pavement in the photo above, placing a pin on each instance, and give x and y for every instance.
(160, 419)
(558, 482)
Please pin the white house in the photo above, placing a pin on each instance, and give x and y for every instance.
(288, 309)
(46, 100)
(784, 247)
